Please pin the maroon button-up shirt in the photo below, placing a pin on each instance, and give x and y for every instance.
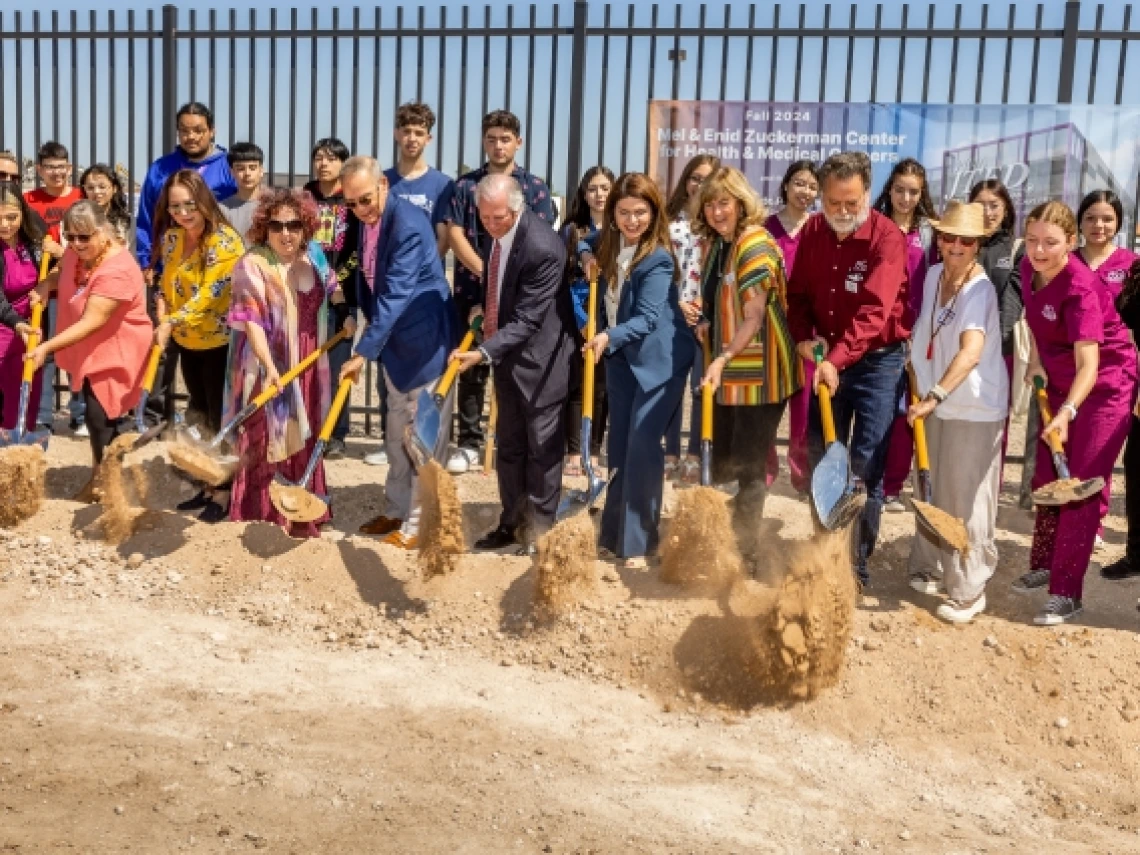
(853, 292)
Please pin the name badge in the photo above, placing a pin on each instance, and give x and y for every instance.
(851, 284)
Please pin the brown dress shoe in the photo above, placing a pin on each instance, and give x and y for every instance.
(382, 525)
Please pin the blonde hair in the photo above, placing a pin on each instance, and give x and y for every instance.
(729, 182)
(1055, 214)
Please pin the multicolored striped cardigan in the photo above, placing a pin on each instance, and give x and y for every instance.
(767, 371)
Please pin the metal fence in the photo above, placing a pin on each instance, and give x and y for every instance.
(579, 75)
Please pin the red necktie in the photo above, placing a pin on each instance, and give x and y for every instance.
(491, 307)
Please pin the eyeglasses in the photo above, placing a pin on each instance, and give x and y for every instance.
(798, 184)
(953, 239)
(77, 239)
(365, 201)
(183, 209)
(278, 226)
(55, 167)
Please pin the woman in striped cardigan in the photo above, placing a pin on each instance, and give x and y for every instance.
(744, 295)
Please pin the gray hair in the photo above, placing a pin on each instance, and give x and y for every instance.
(497, 186)
(85, 217)
(362, 164)
(845, 165)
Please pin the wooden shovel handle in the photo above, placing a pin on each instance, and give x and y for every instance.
(448, 378)
(922, 459)
(591, 331)
(152, 367)
(827, 419)
(1051, 438)
(33, 341)
(270, 392)
(707, 395)
(342, 393)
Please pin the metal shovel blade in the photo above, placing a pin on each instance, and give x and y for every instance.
(39, 437)
(836, 499)
(1067, 491)
(422, 438)
(577, 500)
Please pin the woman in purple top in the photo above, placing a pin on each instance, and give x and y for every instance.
(1088, 362)
(906, 200)
(21, 247)
(1099, 218)
(798, 191)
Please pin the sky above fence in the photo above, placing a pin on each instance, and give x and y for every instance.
(611, 135)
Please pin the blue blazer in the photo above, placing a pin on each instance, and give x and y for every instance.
(651, 334)
(411, 320)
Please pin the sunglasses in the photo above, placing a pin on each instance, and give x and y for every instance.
(365, 201)
(953, 239)
(77, 239)
(278, 226)
(184, 208)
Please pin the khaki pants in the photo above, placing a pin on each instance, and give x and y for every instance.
(965, 466)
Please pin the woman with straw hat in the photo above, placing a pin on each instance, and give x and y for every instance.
(964, 393)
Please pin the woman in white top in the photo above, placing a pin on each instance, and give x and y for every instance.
(964, 389)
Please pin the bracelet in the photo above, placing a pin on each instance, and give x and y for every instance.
(1071, 407)
(726, 355)
(939, 393)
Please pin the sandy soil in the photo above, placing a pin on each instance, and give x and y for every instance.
(226, 689)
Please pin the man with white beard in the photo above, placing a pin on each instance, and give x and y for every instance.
(848, 294)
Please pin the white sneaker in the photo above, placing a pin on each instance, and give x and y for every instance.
(953, 611)
(82, 430)
(377, 458)
(894, 505)
(463, 460)
(926, 583)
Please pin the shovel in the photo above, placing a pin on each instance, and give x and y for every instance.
(294, 501)
(576, 500)
(1066, 489)
(206, 461)
(422, 439)
(147, 434)
(936, 521)
(19, 435)
(834, 493)
(707, 395)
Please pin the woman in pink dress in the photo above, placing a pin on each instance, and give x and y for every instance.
(103, 333)
(798, 191)
(279, 314)
(21, 247)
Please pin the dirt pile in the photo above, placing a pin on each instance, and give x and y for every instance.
(441, 521)
(943, 525)
(1066, 490)
(698, 550)
(120, 495)
(565, 566)
(198, 464)
(23, 473)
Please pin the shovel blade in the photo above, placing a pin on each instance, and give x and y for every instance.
(295, 503)
(835, 498)
(38, 437)
(425, 428)
(1054, 496)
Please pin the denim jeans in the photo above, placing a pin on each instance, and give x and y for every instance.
(76, 406)
(864, 410)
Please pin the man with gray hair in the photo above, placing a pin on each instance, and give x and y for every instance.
(848, 296)
(528, 321)
(410, 328)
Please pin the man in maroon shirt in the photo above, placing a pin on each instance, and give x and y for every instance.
(848, 293)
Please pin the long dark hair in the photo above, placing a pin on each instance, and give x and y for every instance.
(118, 214)
(679, 198)
(1131, 288)
(199, 193)
(1096, 197)
(924, 210)
(633, 185)
(32, 226)
(579, 222)
(995, 186)
(795, 169)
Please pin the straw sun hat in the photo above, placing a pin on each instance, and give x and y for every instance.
(964, 220)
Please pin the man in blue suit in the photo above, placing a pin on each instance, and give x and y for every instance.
(410, 328)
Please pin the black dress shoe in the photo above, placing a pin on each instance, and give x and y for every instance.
(1120, 570)
(497, 539)
(214, 513)
(197, 503)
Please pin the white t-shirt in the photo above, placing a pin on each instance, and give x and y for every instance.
(984, 395)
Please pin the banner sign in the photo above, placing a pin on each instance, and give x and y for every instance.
(1039, 152)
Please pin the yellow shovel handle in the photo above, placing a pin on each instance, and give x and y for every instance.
(827, 419)
(448, 378)
(270, 392)
(33, 341)
(707, 393)
(590, 362)
(922, 459)
(342, 393)
(1051, 438)
(152, 367)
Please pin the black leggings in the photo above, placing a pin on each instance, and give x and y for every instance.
(204, 373)
(1132, 491)
(102, 429)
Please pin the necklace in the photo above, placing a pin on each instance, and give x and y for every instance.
(83, 274)
(939, 319)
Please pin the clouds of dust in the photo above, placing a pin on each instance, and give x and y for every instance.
(441, 521)
(119, 496)
(23, 477)
(565, 561)
(698, 549)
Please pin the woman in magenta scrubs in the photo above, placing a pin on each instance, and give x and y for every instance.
(1087, 359)
(798, 191)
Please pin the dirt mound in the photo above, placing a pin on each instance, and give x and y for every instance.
(565, 566)
(441, 521)
(949, 528)
(122, 491)
(23, 475)
(699, 548)
(198, 464)
(800, 633)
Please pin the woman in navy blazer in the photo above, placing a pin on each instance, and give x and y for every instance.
(649, 350)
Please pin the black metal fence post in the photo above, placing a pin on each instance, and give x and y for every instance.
(1069, 52)
(577, 95)
(169, 75)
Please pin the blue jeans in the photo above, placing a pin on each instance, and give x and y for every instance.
(76, 406)
(864, 410)
(673, 432)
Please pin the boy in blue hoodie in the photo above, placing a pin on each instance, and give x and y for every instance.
(196, 150)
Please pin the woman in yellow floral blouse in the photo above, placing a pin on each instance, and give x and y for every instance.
(198, 250)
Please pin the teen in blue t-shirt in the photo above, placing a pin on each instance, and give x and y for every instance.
(412, 179)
